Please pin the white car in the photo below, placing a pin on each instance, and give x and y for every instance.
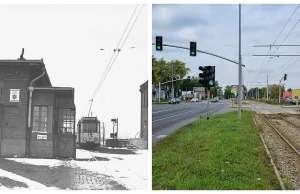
(195, 100)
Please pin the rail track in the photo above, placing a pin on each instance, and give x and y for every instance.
(290, 141)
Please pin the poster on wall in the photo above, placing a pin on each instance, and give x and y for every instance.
(14, 95)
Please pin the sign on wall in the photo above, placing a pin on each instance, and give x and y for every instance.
(14, 95)
(41, 137)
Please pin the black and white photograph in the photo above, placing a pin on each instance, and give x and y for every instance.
(74, 97)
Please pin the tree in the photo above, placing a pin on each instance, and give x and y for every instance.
(227, 92)
(289, 90)
(162, 72)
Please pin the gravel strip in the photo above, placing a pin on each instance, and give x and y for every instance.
(285, 159)
(289, 131)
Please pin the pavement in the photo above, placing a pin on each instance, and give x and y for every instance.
(66, 176)
(166, 118)
(91, 170)
(263, 108)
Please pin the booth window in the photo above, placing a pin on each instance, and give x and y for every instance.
(66, 121)
(40, 114)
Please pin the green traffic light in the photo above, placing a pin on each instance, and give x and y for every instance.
(158, 47)
(193, 53)
(211, 82)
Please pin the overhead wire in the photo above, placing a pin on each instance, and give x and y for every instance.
(121, 48)
(98, 85)
(263, 66)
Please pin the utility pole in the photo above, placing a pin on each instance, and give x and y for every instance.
(208, 97)
(158, 91)
(103, 134)
(240, 68)
(267, 88)
(172, 80)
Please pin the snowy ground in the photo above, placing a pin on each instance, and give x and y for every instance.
(130, 170)
(24, 182)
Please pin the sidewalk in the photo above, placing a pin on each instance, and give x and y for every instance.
(291, 106)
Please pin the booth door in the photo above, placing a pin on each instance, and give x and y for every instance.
(66, 145)
(66, 138)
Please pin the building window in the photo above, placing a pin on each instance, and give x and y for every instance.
(40, 114)
(66, 121)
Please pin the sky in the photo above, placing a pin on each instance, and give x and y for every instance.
(215, 28)
(69, 39)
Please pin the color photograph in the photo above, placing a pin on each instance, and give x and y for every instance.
(225, 97)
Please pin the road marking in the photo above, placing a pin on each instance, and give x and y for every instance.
(164, 110)
(161, 136)
(175, 115)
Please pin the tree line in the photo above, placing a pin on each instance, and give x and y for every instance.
(162, 72)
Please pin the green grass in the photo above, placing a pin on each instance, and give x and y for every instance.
(219, 154)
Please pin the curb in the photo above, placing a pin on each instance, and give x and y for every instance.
(272, 162)
(237, 106)
(290, 106)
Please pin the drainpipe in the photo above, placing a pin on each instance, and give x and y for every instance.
(30, 89)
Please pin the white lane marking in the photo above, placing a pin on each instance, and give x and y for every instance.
(161, 136)
(165, 110)
(175, 115)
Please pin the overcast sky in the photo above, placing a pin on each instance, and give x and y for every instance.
(216, 30)
(68, 38)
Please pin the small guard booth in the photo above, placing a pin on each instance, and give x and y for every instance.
(36, 119)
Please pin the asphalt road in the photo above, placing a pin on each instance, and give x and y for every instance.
(167, 118)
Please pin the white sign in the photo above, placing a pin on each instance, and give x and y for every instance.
(41, 136)
(199, 89)
(14, 95)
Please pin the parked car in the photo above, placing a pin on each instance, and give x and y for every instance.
(213, 100)
(177, 100)
(195, 100)
(287, 99)
(172, 101)
(293, 100)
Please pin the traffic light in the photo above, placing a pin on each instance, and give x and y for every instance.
(211, 76)
(203, 76)
(189, 78)
(193, 49)
(285, 77)
(159, 43)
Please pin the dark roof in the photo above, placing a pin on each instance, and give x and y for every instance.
(35, 63)
(144, 85)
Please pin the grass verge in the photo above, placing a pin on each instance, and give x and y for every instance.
(219, 154)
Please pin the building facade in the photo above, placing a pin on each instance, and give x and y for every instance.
(144, 111)
(36, 119)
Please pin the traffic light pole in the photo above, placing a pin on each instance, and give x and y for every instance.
(200, 51)
(279, 90)
(208, 99)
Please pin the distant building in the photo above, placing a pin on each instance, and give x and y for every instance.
(287, 95)
(36, 119)
(144, 111)
(296, 93)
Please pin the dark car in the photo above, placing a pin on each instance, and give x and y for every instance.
(293, 101)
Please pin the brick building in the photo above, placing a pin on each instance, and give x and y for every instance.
(36, 119)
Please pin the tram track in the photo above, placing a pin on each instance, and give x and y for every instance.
(289, 136)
